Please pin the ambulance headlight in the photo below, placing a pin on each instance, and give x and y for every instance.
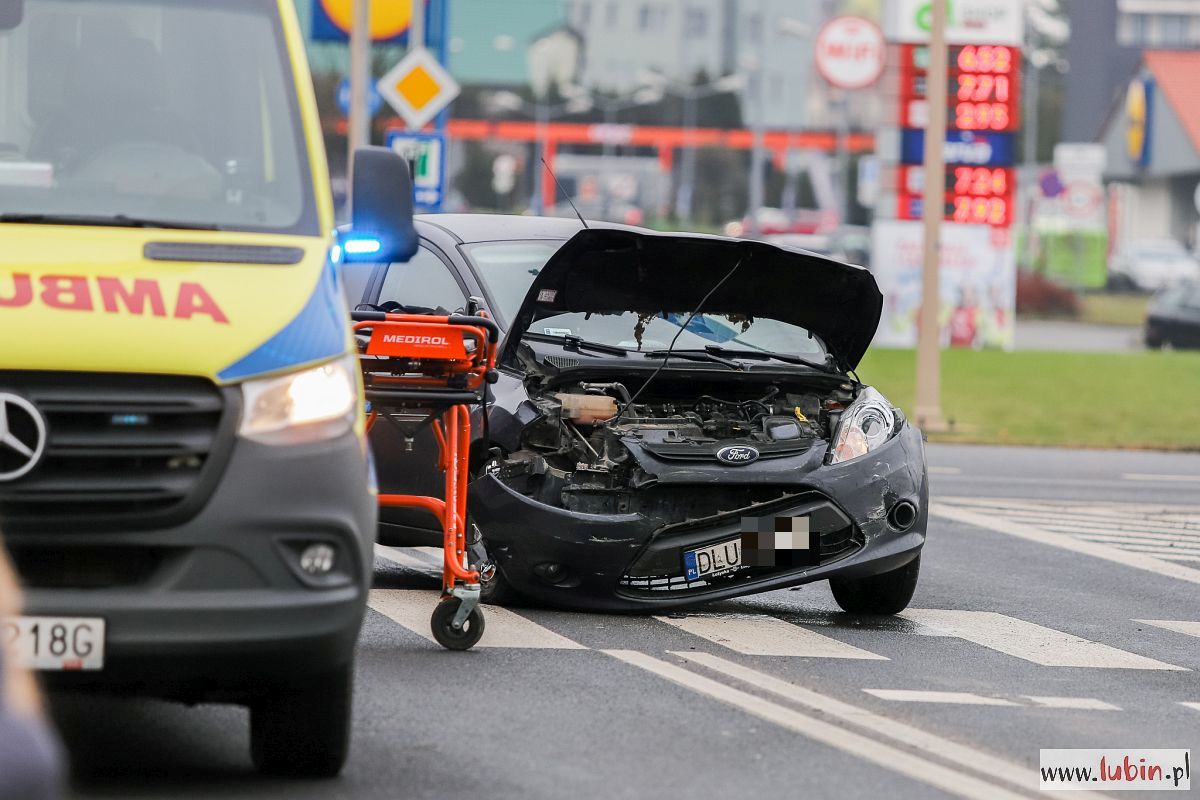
(307, 406)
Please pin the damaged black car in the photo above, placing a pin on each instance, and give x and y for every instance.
(677, 420)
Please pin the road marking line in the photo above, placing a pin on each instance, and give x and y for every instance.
(1163, 550)
(435, 554)
(411, 608)
(1144, 476)
(1028, 641)
(955, 698)
(1084, 703)
(1193, 706)
(406, 560)
(953, 781)
(944, 470)
(759, 635)
(1183, 626)
(1063, 541)
(979, 761)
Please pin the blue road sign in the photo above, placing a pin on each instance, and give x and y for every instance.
(426, 156)
(374, 100)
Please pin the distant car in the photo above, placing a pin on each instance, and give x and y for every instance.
(1173, 319)
(1151, 264)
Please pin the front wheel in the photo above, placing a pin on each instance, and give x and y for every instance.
(887, 593)
(447, 635)
(304, 733)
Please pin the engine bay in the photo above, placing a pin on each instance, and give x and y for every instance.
(581, 452)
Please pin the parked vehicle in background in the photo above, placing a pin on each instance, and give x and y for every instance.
(1150, 264)
(1173, 317)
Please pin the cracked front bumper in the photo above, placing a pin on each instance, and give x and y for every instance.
(627, 562)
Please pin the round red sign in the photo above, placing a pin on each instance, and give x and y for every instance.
(850, 52)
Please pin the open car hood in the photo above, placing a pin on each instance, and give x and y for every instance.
(612, 271)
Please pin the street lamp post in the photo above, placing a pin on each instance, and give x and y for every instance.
(928, 406)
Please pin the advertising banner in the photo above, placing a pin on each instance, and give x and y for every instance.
(967, 21)
(978, 284)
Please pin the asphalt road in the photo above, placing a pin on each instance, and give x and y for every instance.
(1029, 630)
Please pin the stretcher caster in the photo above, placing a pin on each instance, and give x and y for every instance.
(444, 631)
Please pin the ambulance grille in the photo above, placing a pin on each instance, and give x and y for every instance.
(123, 452)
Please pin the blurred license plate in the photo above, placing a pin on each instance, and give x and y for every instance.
(717, 559)
(56, 643)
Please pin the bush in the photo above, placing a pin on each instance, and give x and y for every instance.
(1037, 294)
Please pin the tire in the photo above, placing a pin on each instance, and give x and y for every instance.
(887, 593)
(304, 733)
(498, 591)
(447, 635)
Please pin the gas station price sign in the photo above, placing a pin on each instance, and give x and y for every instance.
(974, 195)
(984, 82)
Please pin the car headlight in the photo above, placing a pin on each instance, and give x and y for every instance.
(307, 406)
(865, 425)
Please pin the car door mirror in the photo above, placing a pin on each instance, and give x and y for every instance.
(381, 209)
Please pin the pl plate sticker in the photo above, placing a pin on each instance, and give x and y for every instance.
(547, 295)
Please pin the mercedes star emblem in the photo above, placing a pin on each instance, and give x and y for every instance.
(22, 436)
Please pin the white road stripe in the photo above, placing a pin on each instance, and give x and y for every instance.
(1194, 706)
(952, 781)
(502, 628)
(1184, 626)
(1070, 543)
(1083, 703)
(1162, 550)
(407, 560)
(759, 635)
(955, 698)
(1029, 641)
(1143, 476)
(970, 758)
(944, 470)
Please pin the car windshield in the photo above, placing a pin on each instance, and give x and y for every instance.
(508, 268)
(178, 111)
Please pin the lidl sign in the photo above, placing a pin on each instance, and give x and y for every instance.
(332, 20)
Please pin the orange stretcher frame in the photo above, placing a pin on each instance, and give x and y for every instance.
(438, 366)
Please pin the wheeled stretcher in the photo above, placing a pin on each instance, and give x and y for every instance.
(420, 370)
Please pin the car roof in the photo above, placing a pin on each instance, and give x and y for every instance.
(471, 228)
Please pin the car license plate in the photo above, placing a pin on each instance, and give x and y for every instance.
(56, 643)
(718, 559)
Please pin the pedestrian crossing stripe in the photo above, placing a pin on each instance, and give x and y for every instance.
(1059, 525)
(975, 699)
(764, 635)
(1187, 627)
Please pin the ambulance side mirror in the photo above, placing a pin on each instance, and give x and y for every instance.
(381, 209)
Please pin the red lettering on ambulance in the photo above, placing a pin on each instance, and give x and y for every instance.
(113, 295)
(68, 292)
(194, 300)
(22, 294)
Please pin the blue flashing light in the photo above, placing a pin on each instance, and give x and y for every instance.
(362, 246)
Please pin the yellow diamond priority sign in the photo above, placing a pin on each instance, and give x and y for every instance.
(418, 88)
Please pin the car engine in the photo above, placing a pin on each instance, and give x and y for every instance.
(581, 452)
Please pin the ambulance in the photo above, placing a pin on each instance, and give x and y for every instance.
(185, 486)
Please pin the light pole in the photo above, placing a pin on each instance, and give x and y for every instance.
(359, 133)
(690, 94)
(542, 113)
(928, 406)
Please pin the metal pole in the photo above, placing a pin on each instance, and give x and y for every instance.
(843, 156)
(687, 176)
(1030, 179)
(758, 155)
(359, 133)
(416, 26)
(610, 120)
(928, 407)
(542, 114)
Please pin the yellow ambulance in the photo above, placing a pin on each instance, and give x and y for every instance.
(184, 483)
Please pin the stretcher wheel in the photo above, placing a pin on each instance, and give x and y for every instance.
(444, 631)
